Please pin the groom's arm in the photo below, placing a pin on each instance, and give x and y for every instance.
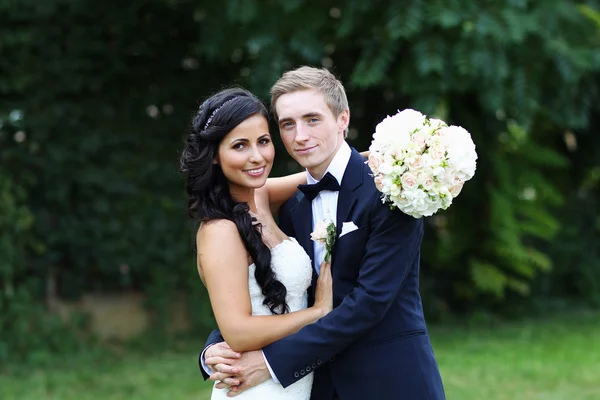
(214, 338)
(391, 250)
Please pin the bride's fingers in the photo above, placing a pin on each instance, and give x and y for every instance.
(235, 390)
(221, 352)
(210, 361)
(220, 376)
(227, 383)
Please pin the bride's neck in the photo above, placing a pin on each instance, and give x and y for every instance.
(245, 195)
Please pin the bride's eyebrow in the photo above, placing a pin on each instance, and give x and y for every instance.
(238, 140)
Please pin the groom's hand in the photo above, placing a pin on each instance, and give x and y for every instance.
(253, 371)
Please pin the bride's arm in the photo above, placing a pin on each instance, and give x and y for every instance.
(279, 190)
(225, 274)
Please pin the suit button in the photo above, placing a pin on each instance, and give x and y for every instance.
(332, 358)
(302, 372)
(314, 366)
(296, 375)
(318, 362)
(307, 369)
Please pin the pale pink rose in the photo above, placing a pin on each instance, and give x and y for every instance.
(379, 182)
(375, 160)
(419, 138)
(450, 177)
(435, 124)
(437, 152)
(455, 190)
(409, 181)
(398, 154)
(415, 163)
(320, 232)
(426, 180)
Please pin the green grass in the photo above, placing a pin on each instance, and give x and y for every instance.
(550, 359)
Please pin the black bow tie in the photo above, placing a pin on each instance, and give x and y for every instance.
(327, 183)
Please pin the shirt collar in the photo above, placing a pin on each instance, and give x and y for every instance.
(338, 165)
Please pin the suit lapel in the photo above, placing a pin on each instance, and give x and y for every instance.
(353, 178)
(302, 220)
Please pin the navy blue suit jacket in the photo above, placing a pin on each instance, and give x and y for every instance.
(374, 344)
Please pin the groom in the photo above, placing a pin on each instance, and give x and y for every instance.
(374, 344)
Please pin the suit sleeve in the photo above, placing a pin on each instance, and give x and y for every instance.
(392, 249)
(285, 218)
(214, 337)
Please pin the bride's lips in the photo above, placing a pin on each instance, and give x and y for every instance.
(305, 150)
(255, 172)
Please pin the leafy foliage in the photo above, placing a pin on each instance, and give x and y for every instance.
(90, 197)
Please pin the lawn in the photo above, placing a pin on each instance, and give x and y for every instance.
(550, 359)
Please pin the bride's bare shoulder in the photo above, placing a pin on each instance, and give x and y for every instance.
(217, 230)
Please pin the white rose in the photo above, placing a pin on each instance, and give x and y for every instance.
(461, 151)
(427, 160)
(390, 133)
(434, 205)
(385, 167)
(438, 173)
(398, 169)
(419, 200)
(387, 183)
(410, 119)
(435, 124)
(320, 232)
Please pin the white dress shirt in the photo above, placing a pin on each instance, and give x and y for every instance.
(324, 207)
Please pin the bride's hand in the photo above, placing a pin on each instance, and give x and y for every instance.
(324, 292)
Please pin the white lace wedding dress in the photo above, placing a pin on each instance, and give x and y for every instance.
(293, 268)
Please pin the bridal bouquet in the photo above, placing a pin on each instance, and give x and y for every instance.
(420, 164)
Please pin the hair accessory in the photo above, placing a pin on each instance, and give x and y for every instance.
(216, 110)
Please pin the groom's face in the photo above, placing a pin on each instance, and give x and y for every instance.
(310, 131)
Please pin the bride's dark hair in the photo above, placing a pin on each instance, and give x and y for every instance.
(207, 187)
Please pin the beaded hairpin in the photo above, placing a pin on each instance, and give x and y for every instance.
(216, 110)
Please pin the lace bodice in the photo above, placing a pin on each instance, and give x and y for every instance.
(293, 268)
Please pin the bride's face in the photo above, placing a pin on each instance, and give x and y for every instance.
(246, 154)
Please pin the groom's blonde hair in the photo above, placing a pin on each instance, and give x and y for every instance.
(307, 78)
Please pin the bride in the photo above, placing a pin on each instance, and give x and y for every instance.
(257, 277)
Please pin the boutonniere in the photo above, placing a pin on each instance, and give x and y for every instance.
(325, 233)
